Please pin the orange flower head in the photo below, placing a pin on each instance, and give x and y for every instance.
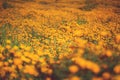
(73, 69)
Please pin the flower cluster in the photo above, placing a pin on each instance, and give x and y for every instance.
(59, 40)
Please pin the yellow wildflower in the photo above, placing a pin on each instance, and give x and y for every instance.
(97, 78)
(8, 41)
(17, 61)
(1, 63)
(73, 68)
(15, 48)
(75, 78)
(117, 69)
(116, 77)
(95, 68)
(108, 53)
(30, 69)
(7, 46)
(117, 38)
(50, 71)
(47, 78)
(13, 75)
(27, 60)
(106, 75)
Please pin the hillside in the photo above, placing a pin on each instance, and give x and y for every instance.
(59, 39)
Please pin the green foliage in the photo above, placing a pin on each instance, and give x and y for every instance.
(28, 0)
(89, 5)
(6, 5)
(88, 76)
(43, 2)
(81, 21)
(90, 56)
(3, 33)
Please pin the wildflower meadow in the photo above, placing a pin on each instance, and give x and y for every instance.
(59, 39)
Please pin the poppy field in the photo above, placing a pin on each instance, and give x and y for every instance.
(59, 40)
